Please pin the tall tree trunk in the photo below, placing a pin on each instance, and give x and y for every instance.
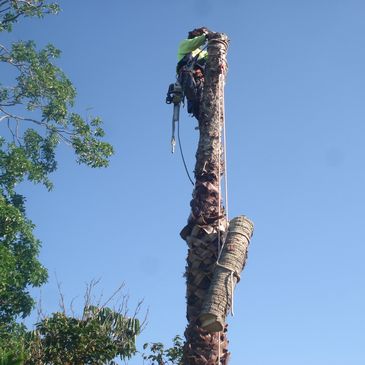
(207, 221)
(210, 284)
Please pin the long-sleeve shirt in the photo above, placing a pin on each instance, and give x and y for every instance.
(191, 45)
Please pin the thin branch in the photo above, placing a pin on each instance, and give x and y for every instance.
(28, 2)
(9, 104)
(6, 9)
(43, 122)
(14, 135)
(88, 293)
(60, 131)
(19, 66)
(22, 11)
(15, 17)
(62, 298)
(17, 117)
(4, 48)
(40, 314)
(144, 322)
(4, 2)
(72, 307)
(117, 291)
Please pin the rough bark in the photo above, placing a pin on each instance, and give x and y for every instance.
(219, 298)
(207, 222)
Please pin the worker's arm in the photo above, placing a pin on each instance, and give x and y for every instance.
(189, 45)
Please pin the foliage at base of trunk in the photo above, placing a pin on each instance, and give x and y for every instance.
(101, 335)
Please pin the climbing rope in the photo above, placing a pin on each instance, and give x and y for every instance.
(224, 147)
(232, 273)
(223, 143)
(223, 140)
(219, 170)
(219, 348)
(182, 154)
(224, 152)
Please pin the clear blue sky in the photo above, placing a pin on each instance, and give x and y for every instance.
(296, 159)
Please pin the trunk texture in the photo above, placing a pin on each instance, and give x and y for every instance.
(219, 299)
(207, 222)
(210, 285)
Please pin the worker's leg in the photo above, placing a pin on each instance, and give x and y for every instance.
(199, 82)
(188, 85)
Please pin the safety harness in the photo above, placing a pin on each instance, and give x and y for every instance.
(176, 93)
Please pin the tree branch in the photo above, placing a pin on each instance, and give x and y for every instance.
(6, 9)
(60, 131)
(10, 20)
(14, 135)
(4, 2)
(22, 11)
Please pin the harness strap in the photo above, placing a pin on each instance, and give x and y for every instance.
(189, 61)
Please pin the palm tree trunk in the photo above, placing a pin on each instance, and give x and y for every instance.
(210, 284)
(207, 221)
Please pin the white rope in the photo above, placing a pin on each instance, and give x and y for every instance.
(223, 143)
(219, 170)
(232, 273)
(223, 151)
(219, 348)
(232, 293)
(219, 248)
(224, 148)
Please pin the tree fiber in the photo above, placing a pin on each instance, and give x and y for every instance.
(207, 223)
(219, 299)
(207, 220)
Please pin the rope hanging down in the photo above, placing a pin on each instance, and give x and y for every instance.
(223, 156)
(223, 140)
(223, 152)
(182, 154)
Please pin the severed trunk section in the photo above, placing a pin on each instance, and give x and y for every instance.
(207, 222)
(219, 298)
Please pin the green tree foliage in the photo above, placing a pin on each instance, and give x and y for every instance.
(36, 115)
(10, 359)
(159, 355)
(101, 334)
(97, 338)
(12, 344)
(12, 10)
(19, 266)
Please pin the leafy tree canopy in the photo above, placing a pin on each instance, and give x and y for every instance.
(36, 115)
(12, 10)
(101, 335)
(159, 355)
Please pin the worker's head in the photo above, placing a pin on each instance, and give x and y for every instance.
(197, 32)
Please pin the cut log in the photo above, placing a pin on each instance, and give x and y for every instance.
(226, 274)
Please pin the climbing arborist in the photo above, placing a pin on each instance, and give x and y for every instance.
(191, 57)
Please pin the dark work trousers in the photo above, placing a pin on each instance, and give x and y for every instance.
(192, 86)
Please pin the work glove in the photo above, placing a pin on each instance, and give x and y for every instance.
(202, 30)
(209, 35)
